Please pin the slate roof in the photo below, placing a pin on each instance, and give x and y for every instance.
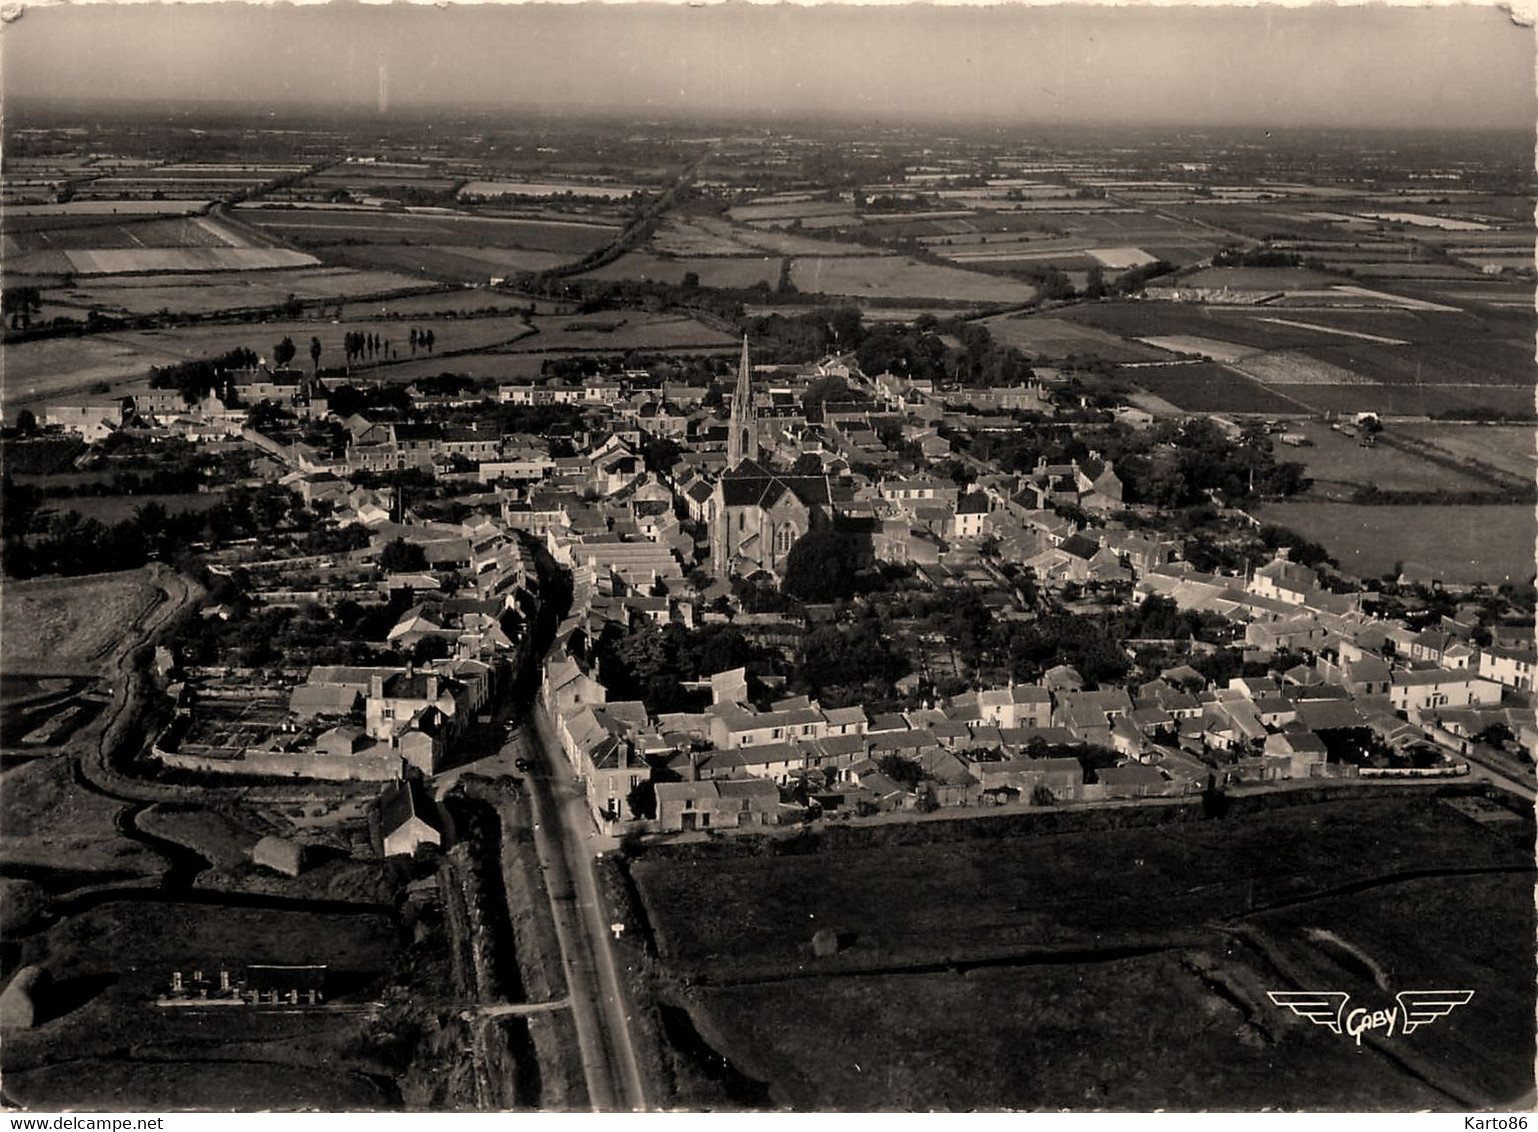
(403, 801)
(751, 484)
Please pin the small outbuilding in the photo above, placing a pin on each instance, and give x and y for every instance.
(407, 818)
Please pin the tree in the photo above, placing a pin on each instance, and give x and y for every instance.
(1496, 735)
(284, 352)
(402, 557)
(643, 800)
(661, 453)
(828, 388)
(903, 771)
(1094, 282)
(846, 324)
(315, 354)
(821, 566)
(26, 422)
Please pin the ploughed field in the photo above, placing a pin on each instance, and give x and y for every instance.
(1036, 963)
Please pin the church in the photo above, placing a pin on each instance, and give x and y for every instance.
(756, 515)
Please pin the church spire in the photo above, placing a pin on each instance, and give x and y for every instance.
(742, 441)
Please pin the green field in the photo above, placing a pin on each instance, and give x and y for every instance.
(897, 277)
(985, 966)
(1491, 544)
(1058, 338)
(1508, 448)
(1338, 465)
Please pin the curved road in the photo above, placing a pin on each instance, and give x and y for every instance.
(599, 1005)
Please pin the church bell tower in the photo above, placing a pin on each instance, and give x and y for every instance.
(742, 441)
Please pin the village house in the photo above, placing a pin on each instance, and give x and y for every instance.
(1414, 692)
(715, 804)
(1510, 667)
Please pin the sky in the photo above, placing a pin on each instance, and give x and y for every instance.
(1444, 67)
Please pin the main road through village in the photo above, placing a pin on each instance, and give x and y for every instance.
(600, 1008)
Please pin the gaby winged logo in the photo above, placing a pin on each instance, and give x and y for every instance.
(1328, 1009)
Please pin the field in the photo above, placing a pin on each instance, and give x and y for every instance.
(1508, 448)
(1338, 465)
(1207, 348)
(733, 272)
(484, 189)
(320, 228)
(1292, 367)
(1056, 338)
(39, 234)
(786, 211)
(48, 369)
(121, 261)
(430, 263)
(71, 621)
(111, 1047)
(620, 330)
(897, 277)
(1204, 387)
(97, 208)
(62, 835)
(976, 972)
(1258, 278)
(1404, 361)
(448, 246)
(1414, 400)
(58, 245)
(229, 291)
(1489, 544)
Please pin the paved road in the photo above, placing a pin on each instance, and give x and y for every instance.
(598, 1003)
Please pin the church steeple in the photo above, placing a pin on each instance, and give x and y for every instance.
(742, 441)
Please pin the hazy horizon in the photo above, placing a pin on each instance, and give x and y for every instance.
(1272, 68)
